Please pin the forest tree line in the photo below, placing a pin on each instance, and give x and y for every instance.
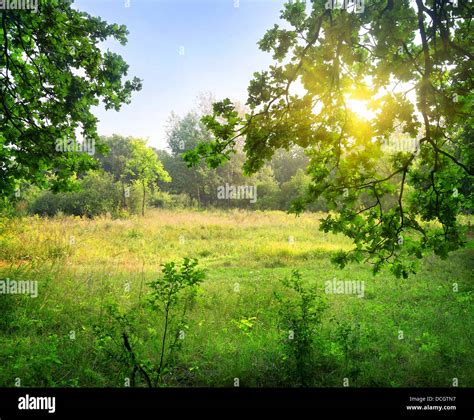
(130, 176)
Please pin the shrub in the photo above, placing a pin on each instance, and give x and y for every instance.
(170, 297)
(98, 195)
(165, 200)
(300, 314)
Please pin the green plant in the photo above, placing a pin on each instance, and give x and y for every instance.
(300, 312)
(167, 292)
(97, 195)
(246, 325)
(347, 334)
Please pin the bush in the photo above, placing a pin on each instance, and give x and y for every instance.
(170, 297)
(98, 195)
(300, 314)
(295, 188)
(164, 200)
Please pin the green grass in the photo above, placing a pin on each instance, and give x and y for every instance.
(254, 250)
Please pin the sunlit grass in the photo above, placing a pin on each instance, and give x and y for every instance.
(254, 250)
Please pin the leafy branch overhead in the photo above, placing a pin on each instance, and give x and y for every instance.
(408, 62)
(53, 71)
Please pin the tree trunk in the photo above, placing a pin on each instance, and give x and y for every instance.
(143, 201)
(124, 198)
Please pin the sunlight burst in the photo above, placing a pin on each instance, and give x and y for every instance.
(361, 108)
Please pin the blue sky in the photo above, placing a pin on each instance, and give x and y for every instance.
(220, 55)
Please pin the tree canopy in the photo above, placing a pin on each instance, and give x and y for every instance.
(52, 71)
(343, 82)
(145, 168)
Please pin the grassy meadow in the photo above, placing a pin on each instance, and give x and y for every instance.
(402, 332)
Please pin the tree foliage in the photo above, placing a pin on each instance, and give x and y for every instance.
(409, 62)
(52, 72)
(145, 168)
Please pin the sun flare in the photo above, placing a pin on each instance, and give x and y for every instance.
(361, 108)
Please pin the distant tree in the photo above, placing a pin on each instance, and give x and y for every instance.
(267, 189)
(52, 72)
(115, 160)
(285, 163)
(145, 168)
(294, 189)
(185, 133)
